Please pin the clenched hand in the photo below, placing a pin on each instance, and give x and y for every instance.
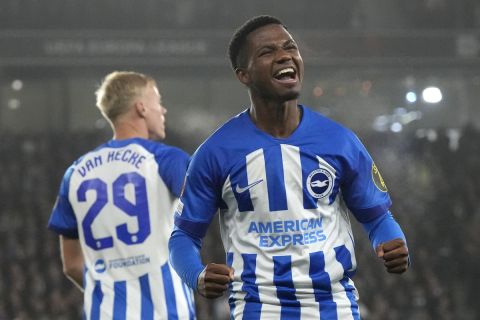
(394, 254)
(214, 280)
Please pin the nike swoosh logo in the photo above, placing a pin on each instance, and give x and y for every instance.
(239, 189)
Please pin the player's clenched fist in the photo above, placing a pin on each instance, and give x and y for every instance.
(394, 254)
(214, 280)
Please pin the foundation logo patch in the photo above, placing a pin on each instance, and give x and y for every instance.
(100, 266)
(377, 179)
(320, 183)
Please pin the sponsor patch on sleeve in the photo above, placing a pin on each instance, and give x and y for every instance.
(377, 179)
(179, 209)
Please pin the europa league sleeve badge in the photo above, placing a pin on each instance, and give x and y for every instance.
(377, 179)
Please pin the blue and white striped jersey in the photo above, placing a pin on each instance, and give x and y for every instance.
(118, 201)
(284, 209)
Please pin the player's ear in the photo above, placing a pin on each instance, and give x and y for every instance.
(243, 76)
(140, 108)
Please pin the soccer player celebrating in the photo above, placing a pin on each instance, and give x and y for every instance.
(284, 179)
(114, 210)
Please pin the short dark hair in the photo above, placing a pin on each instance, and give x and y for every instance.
(239, 37)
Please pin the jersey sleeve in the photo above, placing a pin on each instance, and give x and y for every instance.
(185, 256)
(363, 188)
(63, 220)
(382, 229)
(201, 195)
(172, 166)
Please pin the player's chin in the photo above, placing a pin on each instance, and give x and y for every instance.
(289, 95)
(157, 136)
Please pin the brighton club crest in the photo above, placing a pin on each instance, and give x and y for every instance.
(320, 183)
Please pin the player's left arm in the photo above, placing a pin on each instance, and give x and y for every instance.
(367, 197)
(72, 260)
(389, 242)
(395, 255)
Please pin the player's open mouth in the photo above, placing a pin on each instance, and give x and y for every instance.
(286, 75)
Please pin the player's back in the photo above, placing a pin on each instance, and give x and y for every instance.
(123, 196)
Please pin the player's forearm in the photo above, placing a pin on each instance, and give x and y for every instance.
(382, 229)
(185, 256)
(76, 276)
(72, 260)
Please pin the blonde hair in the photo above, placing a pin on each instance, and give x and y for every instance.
(117, 91)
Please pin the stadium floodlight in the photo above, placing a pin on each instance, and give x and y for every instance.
(432, 95)
(411, 97)
(396, 127)
(17, 85)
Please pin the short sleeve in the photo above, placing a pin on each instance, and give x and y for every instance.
(363, 188)
(201, 195)
(172, 166)
(63, 220)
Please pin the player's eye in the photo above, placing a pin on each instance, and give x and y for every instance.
(291, 46)
(264, 53)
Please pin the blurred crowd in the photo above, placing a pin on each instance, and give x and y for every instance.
(435, 188)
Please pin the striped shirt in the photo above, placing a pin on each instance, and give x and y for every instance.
(284, 214)
(118, 201)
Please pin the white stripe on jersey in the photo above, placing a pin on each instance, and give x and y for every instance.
(256, 172)
(335, 271)
(88, 286)
(107, 300)
(268, 294)
(189, 296)
(238, 295)
(134, 299)
(300, 268)
(158, 295)
(292, 170)
(180, 297)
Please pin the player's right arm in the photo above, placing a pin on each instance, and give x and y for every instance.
(72, 260)
(64, 222)
(198, 204)
(210, 281)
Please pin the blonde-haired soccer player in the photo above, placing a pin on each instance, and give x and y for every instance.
(114, 210)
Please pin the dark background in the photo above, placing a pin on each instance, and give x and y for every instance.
(361, 58)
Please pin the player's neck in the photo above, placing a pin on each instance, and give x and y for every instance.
(277, 119)
(127, 130)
